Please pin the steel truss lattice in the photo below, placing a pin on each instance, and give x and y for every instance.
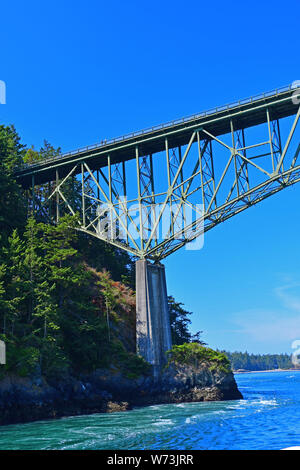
(213, 177)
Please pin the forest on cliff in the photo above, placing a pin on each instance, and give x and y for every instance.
(67, 300)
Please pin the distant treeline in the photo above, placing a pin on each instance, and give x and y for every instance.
(244, 360)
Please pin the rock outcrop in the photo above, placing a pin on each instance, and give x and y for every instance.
(24, 399)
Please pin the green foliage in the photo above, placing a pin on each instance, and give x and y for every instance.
(47, 151)
(196, 354)
(55, 297)
(11, 150)
(64, 307)
(54, 307)
(130, 364)
(101, 255)
(12, 202)
(31, 156)
(21, 359)
(180, 321)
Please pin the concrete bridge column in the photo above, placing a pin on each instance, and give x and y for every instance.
(153, 331)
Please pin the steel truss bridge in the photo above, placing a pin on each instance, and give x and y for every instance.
(212, 165)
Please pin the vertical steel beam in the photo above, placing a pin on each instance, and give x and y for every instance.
(110, 196)
(169, 184)
(109, 178)
(139, 196)
(279, 136)
(83, 195)
(57, 196)
(234, 158)
(33, 194)
(98, 191)
(124, 199)
(201, 170)
(270, 139)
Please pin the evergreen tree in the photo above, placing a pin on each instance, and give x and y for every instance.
(64, 307)
(12, 202)
(180, 321)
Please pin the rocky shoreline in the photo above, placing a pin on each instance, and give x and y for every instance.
(30, 399)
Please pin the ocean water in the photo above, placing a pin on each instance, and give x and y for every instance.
(267, 418)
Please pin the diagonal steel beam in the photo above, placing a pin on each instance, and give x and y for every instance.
(288, 141)
(170, 190)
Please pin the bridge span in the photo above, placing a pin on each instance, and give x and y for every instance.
(154, 191)
(244, 113)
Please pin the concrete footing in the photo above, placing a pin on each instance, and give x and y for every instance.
(153, 331)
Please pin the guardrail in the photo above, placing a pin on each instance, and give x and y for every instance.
(175, 122)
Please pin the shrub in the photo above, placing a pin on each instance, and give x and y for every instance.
(195, 354)
(130, 364)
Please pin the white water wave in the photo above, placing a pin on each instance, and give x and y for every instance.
(163, 422)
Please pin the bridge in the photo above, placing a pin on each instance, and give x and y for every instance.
(154, 191)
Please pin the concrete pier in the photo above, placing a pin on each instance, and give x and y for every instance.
(153, 331)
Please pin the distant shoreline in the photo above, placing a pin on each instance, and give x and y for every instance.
(260, 371)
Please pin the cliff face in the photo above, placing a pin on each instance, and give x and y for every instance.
(191, 384)
(23, 400)
(177, 384)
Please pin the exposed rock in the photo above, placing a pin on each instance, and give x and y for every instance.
(113, 406)
(24, 399)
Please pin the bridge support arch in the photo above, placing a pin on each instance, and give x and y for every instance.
(153, 330)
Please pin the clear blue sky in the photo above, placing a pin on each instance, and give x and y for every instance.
(78, 72)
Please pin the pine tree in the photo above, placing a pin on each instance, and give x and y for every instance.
(12, 202)
(180, 321)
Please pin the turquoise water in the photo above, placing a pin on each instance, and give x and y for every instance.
(268, 418)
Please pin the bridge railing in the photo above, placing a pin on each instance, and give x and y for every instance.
(168, 124)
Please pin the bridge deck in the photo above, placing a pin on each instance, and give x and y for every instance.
(245, 113)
